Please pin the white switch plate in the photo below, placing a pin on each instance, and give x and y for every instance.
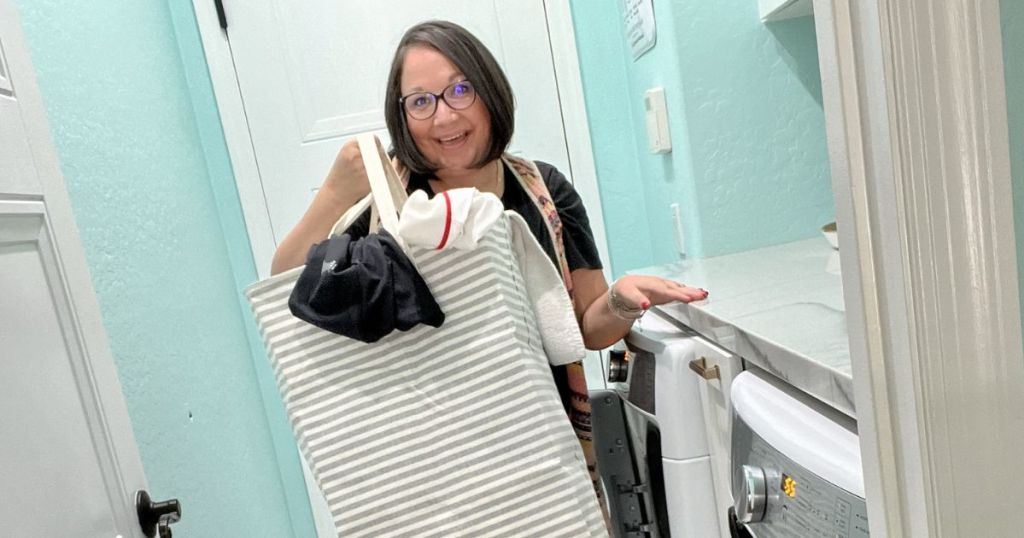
(656, 112)
(677, 229)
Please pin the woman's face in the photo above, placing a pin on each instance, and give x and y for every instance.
(450, 139)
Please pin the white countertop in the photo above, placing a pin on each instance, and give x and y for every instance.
(779, 307)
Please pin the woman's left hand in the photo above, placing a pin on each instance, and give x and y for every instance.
(638, 293)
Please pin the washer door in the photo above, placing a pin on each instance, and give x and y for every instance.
(736, 530)
(617, 465)
(645, 443)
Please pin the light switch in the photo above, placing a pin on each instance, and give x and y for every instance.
(658, 138)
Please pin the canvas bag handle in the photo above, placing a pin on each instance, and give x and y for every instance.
(387, 193)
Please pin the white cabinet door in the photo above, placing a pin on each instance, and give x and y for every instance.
(68, 461)
(717, 408)
(312, 74)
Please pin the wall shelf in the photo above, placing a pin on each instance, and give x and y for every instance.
(777, 10)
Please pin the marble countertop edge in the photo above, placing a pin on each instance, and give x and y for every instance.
(792, 325)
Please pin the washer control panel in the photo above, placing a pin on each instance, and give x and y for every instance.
(777, 498)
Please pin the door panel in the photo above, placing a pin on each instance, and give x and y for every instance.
(16, 167)
(57, 458)
(68, 461)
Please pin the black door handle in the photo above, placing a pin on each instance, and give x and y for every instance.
(156, 516)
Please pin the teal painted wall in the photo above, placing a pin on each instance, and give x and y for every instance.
(1012, 12)
(133, 117)
(604, 73)
(749, 165)
(229, 209)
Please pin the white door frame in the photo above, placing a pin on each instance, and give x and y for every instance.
(562, 34)
(917, 128)
(243, 157)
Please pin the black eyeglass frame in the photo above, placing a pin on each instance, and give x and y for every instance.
(437, 97)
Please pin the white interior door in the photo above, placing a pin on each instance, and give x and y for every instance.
(68, 461)
(312, 74)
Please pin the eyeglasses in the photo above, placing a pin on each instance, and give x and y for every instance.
(422, 105)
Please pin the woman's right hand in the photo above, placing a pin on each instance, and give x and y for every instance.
(346, 181)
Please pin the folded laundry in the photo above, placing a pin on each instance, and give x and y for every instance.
(456, 218)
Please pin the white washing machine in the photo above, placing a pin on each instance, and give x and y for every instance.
(651, 438)
(796, 464)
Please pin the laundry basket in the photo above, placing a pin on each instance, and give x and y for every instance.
(450, 431)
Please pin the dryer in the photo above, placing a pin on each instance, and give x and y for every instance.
(655, 463)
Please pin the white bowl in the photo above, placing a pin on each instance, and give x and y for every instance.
(829, 231)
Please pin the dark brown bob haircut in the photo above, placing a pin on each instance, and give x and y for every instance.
(472, 58)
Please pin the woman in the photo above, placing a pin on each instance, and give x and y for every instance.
(450, 113)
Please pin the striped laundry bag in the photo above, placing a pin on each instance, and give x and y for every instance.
(453, 431)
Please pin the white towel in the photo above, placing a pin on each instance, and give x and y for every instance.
(556, 319)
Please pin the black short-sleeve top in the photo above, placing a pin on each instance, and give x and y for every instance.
(580, 249)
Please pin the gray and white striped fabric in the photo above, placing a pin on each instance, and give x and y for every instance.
(455, 431)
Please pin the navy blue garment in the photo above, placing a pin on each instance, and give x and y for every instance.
(362, 288)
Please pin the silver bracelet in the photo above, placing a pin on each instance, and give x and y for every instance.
(619, 309)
